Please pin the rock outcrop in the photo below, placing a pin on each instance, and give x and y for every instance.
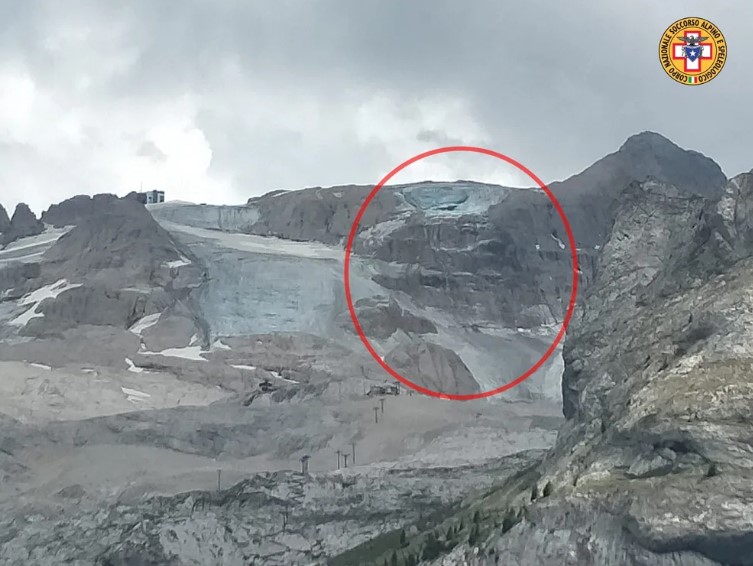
(4, 220)
(381, 318)
(112, 234)
(433, 367)
(113, 267)
(72, 211)
(654, 465)
(23, 223)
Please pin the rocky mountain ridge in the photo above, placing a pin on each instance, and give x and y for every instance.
(654, 464)
(494, 252)
(242, 309)
(23, 223)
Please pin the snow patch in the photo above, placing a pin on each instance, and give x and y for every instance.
(41, 366)
(538, 247)
(134, 392)
(36, 297)
(142, 324)
(240, 366)
(218, 345)
(266, 245)
(278, 375)
(135, 396)
(187, 353)
(44, 241)
(378, 232)
(24, 318)
(24, 246)
(178, 262)
(133, 367)
(48, 292)
(559, 242)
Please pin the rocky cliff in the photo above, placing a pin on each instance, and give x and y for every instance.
(114, 266)
(654, 465)
(493, 253)
(23, 223)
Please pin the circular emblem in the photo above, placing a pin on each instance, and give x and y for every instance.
(692, 51)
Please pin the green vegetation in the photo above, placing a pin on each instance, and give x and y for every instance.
(373, 551)
(477, 523)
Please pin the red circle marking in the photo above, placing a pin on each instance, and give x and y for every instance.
(573, 293)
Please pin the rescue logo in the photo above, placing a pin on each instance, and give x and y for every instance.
(692, 51)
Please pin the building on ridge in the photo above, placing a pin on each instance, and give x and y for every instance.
(151, 197)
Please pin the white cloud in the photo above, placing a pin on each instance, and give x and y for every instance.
(238, 99)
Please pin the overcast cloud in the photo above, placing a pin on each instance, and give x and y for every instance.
(217, 101)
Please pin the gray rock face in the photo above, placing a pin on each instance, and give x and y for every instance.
(382, 318)
(433, 367)
(654, 466)
(23, 223)
(4, 220)
(513, 258)
(323, 215)
(72, 211)
(116, 234)
(117, 265)
(636, 254)
(13, 279)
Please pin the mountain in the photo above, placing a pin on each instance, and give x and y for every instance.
(174, 366)
(491, 259)
(23, 223)
(653, 464)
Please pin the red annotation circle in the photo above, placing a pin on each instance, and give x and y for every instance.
(573, 293)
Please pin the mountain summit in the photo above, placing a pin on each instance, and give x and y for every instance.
(194, 370)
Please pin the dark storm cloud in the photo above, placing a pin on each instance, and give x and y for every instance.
(291, 94)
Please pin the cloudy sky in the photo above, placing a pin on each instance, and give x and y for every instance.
(216, 101)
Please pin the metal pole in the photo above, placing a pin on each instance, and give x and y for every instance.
(346, 459)
(376, 414)
(381, 402)
(219, 480)
(338, 459)
(353, 445)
